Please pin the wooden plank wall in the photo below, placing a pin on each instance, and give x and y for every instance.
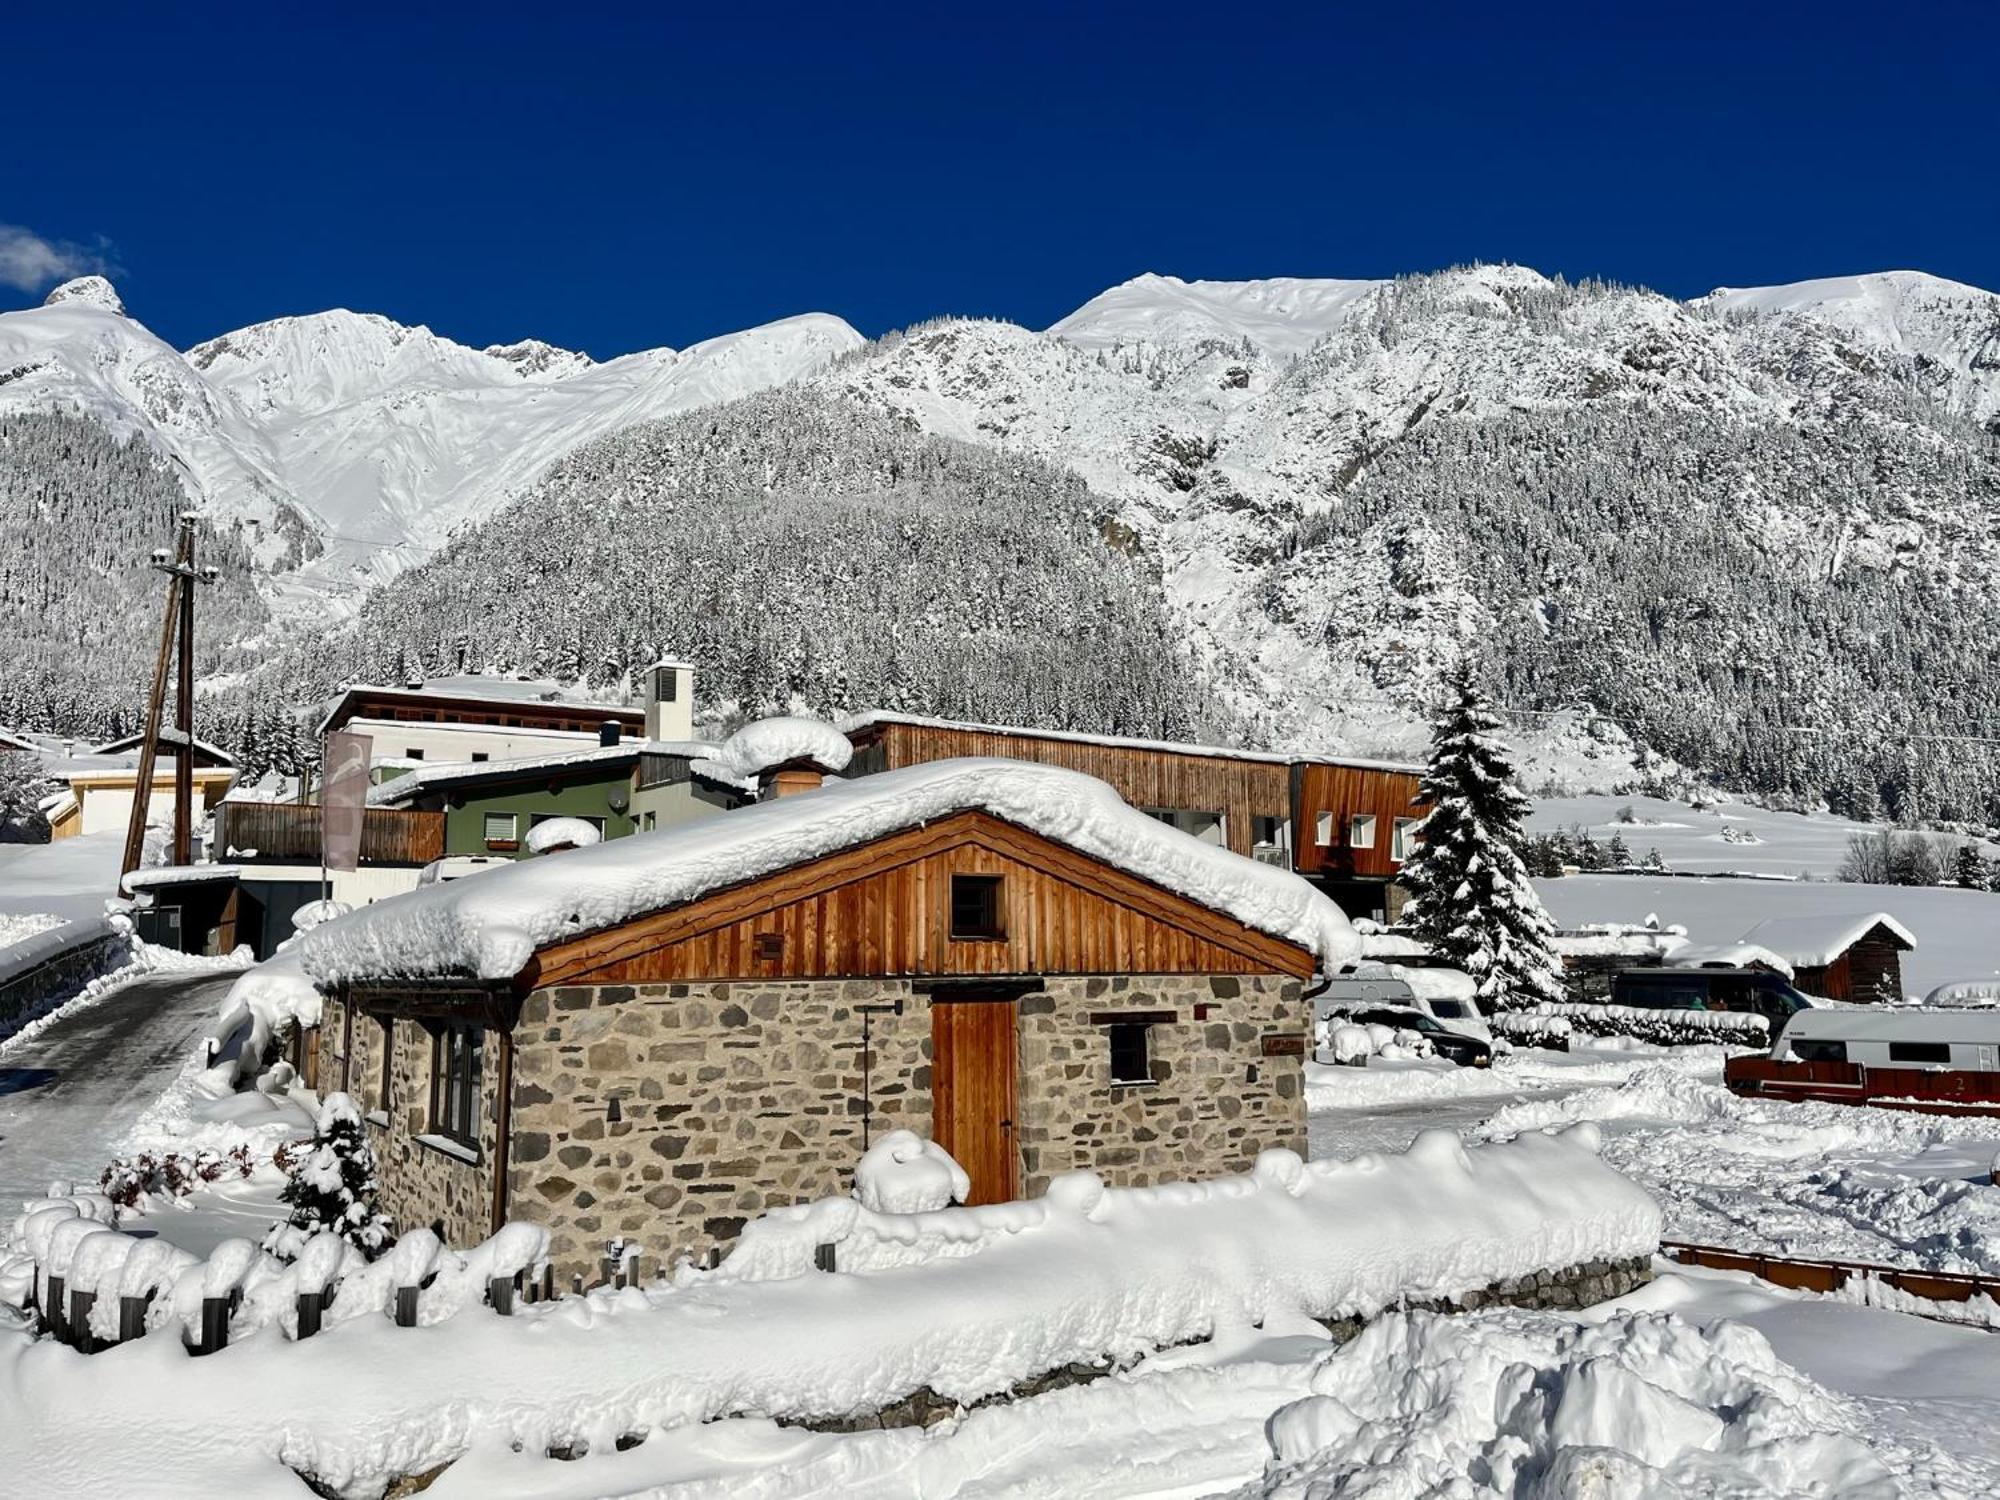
(291, 831)
(1344, 791)
(1238, 789)
(889, 915)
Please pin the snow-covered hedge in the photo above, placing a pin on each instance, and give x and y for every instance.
(1531, 1028)
(1663, 1028)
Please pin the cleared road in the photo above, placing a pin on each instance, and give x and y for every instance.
(68, 1094)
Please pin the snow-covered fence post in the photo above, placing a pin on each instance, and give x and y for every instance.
(55, 1312)
(132, 1317)
(500, 1292)
(825, 1257)
(80, 1304)
(406, 1307)
(214, 1326)
(309, 1307)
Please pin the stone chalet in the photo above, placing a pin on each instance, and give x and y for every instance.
(658, 1038)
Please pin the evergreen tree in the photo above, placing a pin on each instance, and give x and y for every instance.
(334, 1188)
(1474, 907)
(1618, 853)
(1971, 869)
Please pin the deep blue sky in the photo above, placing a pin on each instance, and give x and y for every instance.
(614, 178)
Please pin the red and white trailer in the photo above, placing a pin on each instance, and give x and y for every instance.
(1935, 1061)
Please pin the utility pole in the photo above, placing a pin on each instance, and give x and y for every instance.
(177, 627)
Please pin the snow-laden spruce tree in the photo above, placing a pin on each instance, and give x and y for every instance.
(1471, 903)
(334, 1188)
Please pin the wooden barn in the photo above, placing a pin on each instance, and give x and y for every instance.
(1344, 824)
(1841, 957)
(699, 1025)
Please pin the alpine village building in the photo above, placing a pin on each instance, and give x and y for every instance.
(694, 1027)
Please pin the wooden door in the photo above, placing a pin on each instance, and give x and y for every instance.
(973, 1066)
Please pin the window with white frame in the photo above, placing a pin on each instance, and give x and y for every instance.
(1323, 830)
(502, 829)
(1403, 838)
(1361, 831)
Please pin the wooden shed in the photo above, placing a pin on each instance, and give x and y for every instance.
(1025, 995)
(1856, 956)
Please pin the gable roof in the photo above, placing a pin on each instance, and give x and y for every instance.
(12, 741)
(440, 775)
(860, 724)
(491, 927)
(475, 695)
(204, 752)
(1815, 941)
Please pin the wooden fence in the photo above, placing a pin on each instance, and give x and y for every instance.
(289, 832)
(1831, 1275)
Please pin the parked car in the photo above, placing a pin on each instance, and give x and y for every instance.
(1466, 1051)
(1754, 991)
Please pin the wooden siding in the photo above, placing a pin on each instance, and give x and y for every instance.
(883, 909)
(1870, 972)
(289, 833)
(1344, 791)
(1238, 789)
(435, 708)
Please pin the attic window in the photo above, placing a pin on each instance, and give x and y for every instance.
(977, 908)
(1361, 831)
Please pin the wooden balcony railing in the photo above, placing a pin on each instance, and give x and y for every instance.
(288, 832)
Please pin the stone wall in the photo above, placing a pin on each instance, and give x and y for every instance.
(42, 971)
(666, 1115)
(1215, 1100)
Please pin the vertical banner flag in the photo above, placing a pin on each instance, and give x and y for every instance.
(343, 799)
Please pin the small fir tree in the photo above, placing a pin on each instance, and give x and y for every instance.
(1474, 907)
(1970, 868)
(333, 1188)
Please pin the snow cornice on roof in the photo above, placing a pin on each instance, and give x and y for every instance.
(489, 928)
(460, 773)
(861, 723)
(437, 695)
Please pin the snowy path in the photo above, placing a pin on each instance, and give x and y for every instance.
(68, 1093)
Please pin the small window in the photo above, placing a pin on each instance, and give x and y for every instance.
(413, 754)
(455, 1065)
(477, 756)
(1361, 831)
(503, 830)
(1808, 1049)
(1265, 830)
(666, 684)
(1323, 830)
(388, 1043)
(1403, 837)
(1130, 1062)
(976, 907)
(1919, 1052)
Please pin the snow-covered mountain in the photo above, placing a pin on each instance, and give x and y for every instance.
(1685, 524)
(348, 446)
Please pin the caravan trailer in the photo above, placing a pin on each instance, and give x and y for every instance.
(1935, 1061)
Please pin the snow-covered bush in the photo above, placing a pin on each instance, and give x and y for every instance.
(1351, 1045)
(1531, 1028)
(1663, 1028)
(905, 1174)
(175, 1174)
(332, 1188)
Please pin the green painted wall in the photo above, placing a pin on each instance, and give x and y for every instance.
(465, 826)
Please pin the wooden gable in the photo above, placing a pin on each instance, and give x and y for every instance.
(884, 909)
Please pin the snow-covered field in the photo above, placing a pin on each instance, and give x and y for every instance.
(1765, 842)
(69, 879)
(1957, 932)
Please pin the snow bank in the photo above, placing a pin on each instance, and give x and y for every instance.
(965, 1301)
(1510, 1404)
(1835, 1181)
(489, 927)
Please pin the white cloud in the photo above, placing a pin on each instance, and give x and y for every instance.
(28, 262)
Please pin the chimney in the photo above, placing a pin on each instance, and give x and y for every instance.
(670, 701)
(608, 733)
(790, 779)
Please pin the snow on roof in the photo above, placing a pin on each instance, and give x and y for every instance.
(431, 774)
(770, 743)
(168, 736)
(152, 875)
(861, 722)
(1619, 940)
(1816, 940)
(12, 741)
(490, 927)
(511, 691)
(1728, 956)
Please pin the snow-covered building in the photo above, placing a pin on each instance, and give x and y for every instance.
(1843, 956)
(1346, 824)
(480, 718)
(659, 1037)
(104, 780)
